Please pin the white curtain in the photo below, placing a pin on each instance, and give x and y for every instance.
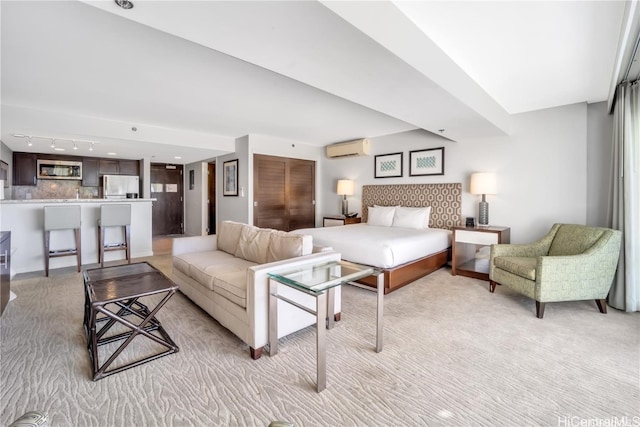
(624, 209)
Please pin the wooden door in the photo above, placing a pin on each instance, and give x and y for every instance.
(211, 198)
(284, 193)
(269, 192)
(302, 203)
(166, 188)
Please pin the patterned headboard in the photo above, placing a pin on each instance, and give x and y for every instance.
(445, 200)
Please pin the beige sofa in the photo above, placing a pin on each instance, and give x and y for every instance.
(226, 275)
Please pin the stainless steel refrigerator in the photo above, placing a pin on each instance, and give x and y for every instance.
(120, 186)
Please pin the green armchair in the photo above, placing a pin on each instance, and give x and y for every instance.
(571, 263)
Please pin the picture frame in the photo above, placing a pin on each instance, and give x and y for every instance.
(426, 162)
(230, 178)
(388, 165)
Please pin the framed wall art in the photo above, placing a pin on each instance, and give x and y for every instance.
(230, 178)
(426, 162)
(388, 165)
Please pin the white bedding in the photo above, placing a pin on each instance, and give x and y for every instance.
(384, 247)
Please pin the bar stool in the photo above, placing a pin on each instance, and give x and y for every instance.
(61, 218)
(114, 215)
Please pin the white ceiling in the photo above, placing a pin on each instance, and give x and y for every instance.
(191, 77)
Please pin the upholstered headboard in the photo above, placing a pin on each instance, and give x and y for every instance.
(445, 200)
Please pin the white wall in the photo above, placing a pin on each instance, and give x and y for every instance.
(541, 170)
(234, 208)
(552, 168)
(195, 200)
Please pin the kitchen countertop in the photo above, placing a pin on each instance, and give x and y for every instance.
(7, 202)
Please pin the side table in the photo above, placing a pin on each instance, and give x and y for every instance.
(112, 304)
(334, 220)
(320, 282)
(467, 243)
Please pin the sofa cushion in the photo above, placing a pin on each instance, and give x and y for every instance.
(228, 235)
(574, 239)
(254, 244)
(285, 245)
(204, 266)
(520, 266)
(232, 286)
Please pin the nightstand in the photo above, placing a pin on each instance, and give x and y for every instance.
(470, 249)
(332, 221)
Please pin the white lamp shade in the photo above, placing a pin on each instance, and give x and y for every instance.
(345, 187)
(483, 183)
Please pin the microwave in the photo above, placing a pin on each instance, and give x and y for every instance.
(59, 169)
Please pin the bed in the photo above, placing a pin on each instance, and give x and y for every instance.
(403, 254)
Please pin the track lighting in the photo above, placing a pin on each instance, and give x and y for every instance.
(57, 144)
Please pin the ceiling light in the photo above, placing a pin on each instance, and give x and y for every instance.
(58, 149)
(177, 157)
(112, 154)
(125, 4)
(29, 143)
(91, 147)
(75, 146)
(53, 143)
(19, 135)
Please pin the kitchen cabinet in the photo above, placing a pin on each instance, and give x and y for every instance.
(108, 167)
(90, 172)
(24, 168)
(128, 167)
(117, 167)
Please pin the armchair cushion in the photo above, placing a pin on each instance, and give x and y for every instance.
(521, 266)
(573, 239)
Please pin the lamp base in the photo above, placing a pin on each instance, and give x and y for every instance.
(345, 206)
(483, 214)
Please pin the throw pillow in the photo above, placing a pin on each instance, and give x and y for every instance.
(254, 244)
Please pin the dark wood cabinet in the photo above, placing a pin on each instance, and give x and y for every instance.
(5, 268)
(284, 193)
(118, 167)
(128, 167)
(90, 172)
(24, 169)
(108, 167)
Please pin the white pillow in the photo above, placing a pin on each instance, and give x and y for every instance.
(381, 215)
(417, 218)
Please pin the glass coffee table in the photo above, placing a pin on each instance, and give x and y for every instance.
(320, 281)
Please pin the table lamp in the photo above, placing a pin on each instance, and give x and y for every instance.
(345, 188)
(483, 183)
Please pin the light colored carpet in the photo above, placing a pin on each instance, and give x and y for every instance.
(454, 354)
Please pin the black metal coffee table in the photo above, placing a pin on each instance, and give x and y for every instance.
(113, 312)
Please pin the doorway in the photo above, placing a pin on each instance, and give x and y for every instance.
(167, 189)
(211, 197)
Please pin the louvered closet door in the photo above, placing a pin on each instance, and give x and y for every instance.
(284, 193)
(269, 192)
(302, 184)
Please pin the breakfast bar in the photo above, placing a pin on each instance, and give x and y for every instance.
(25, 220)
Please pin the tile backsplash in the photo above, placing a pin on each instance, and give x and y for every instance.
(53, 189)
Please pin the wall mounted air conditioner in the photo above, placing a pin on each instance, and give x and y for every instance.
(359, 147)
